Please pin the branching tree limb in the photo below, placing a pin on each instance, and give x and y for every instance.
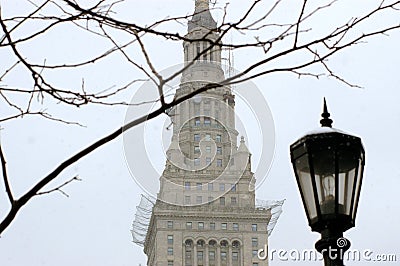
(59, 188)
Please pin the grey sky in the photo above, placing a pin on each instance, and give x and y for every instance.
(92, 226)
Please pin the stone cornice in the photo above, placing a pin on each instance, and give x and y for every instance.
(209, 211)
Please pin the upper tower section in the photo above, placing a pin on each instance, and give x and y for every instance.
(204, 148)
(202, 46)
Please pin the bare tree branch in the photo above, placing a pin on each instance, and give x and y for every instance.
(19, 203)
(5, 177)
(153, 70)
(298, 23)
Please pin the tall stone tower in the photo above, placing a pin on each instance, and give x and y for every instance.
(205, 210)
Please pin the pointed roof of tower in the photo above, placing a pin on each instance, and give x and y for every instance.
(174, 144)
(242, 146)
(202, 16)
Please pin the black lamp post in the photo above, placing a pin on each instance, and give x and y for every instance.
(328, 165)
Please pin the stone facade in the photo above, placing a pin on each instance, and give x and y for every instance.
(205, 211)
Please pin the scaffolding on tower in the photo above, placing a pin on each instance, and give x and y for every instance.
(144, 209)
(229, 64)
(142, 220)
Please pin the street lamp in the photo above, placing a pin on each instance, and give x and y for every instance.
(328, 165)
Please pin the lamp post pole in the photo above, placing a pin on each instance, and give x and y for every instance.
(332, 246)
(328, 165)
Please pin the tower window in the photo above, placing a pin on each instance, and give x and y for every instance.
(197, 108)
(170, 251)
(198, 186)
(221, 187)
(201, 225)
(188, 254)
(254, 242)
(223, 256)
(211, 255)
(254, 227)
(188, 225)
(198, 49)
(187, 199)
(199, 255)
(205, 46)
(197, 137)
(255, 252)
(233, 200)
(235, 256)
(218, 138)
(196, 149)
(170, 263)
(170, 224)
(207, 121)
(187, 185)
(233, 187)
(196, 161)
(219, 150)
(219, 162)
(197, 122)
(170, 239)
(222, 201)
(208, 137)
(212, 226)
(235, 226)
(208, 149)
(199, 199)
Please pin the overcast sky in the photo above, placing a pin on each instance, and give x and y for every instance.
(92, 225)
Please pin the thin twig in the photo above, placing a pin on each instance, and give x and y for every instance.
(298, 23)
(59, 187)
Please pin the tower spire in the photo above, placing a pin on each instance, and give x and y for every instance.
(202, 4)
(202, 17)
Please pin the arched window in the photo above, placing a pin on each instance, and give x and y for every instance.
(188, 252)
(200, 243)
(188, 243)
(212, 243)
(235, 244)
(224, 243)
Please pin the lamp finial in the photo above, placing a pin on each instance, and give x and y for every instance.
(326, 121)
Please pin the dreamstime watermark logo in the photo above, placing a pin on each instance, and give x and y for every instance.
(342, 242)
(165, 142)
(366, 255)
